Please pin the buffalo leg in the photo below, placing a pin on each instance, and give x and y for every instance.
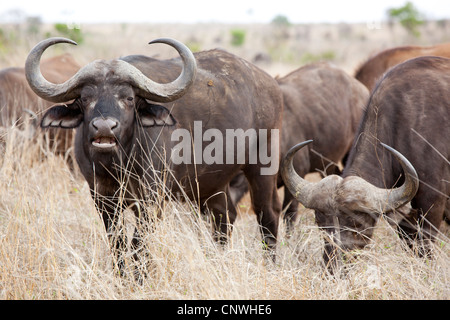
(447, 212)
(223, 212)
(110, 209)
(332, 257)
(266, 205)
(419, 229)
(238, 187)
(144, 226)
(290, 204)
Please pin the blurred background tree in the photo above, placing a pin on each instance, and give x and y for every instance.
(408, 16)
(237, 37)
(281, 20)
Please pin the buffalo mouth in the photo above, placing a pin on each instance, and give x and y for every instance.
(104, 143)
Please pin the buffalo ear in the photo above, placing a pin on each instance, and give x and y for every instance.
(62, 116)
(151, 115)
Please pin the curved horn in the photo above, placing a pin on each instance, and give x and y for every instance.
(47, 90)
(175, 89)
(371, 198)
(161, 92)
(376, 198)
(299, 187)
(398, 197)
(147, 88)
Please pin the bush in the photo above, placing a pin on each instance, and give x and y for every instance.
(237, 37)
(72, 32)
(194, 46)
(408, 16)
(281, 20)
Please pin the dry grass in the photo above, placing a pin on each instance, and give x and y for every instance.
(53, 244)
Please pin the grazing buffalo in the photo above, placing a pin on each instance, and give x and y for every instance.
(409, 110)
(17, 99)
(323, 102)
(129, 129)
(373, 69)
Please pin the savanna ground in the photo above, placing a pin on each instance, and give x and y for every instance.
(52, 241)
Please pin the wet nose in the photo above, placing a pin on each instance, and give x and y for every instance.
(104, 126)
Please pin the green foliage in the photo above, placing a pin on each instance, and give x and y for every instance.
(408, 16)
(237, 37)
(194, 46)
(72, 32)
(281, 20)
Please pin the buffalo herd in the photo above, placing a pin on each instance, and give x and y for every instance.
(211, 126)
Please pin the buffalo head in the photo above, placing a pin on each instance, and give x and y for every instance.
(348, 208)
(109, 99)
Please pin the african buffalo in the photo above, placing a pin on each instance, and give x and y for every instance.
(17, 99)
(374, 68)
(126, 125)
(323, 102)
(409, 110)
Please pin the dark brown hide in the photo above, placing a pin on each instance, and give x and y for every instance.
(410, 111)
(323, 103)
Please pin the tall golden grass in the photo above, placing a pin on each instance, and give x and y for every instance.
(53, 246)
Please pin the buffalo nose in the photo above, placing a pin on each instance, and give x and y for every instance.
(104, 125)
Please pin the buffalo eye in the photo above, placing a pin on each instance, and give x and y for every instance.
(130, 99)
(85, 100)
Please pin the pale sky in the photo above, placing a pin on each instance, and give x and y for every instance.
(228, 11)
